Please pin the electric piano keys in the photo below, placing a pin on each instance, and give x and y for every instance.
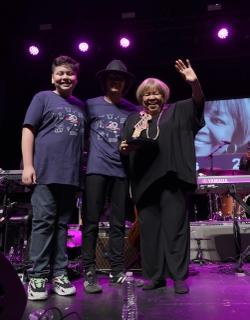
(10, 175)
(222, 184)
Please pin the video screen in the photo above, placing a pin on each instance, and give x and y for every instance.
(226, 134)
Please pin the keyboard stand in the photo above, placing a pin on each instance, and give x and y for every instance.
(5, 211)
(241, 256)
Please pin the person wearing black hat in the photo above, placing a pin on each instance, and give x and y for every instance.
(105, 172)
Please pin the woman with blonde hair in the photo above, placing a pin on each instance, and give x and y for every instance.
(227, 127)
(159, 144)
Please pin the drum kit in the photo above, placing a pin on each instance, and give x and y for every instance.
(230, 207)
(223, 205)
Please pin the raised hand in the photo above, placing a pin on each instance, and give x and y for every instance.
(185, 70)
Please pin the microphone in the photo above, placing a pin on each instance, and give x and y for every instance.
(225, 142)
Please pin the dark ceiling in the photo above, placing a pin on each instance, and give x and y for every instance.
(161, 31)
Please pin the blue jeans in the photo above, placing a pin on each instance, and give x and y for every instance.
(52, 208)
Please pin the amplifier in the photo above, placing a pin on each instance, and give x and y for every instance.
(217, 239)
(132, 257)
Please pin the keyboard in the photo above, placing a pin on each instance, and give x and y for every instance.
(222, 184)
(10, 175)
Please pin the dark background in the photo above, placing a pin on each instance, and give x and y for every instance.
(161, 31)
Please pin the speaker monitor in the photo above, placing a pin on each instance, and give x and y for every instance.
(131, 253)
(13, 298)
(217, 239)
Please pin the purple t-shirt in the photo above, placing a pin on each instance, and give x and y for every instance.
(59, 136)
(106, 121)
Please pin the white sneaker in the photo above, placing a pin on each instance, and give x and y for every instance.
(37, 289)
(62, 286)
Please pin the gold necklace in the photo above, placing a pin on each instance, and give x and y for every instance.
(157, 128)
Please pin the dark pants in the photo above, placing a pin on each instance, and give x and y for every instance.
(165, 236)
(52, 208)
(97, 187)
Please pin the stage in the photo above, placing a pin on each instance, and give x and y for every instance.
(216, 292)
(216, 289)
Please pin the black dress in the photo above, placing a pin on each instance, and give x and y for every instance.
(173, 151)
(160, 175)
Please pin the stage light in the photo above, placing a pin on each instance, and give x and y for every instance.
(214, 7)
(83, 46)
(128, 15)
(33, 50)
(124, 42)
(223, 33)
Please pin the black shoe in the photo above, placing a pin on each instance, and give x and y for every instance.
(139, 282)
(180, 287)
(155, 284)
(90, 284)
(117, 278)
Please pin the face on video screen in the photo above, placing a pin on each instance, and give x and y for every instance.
(226, 129)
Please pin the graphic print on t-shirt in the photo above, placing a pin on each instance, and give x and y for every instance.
(109, 127)
(68, 120)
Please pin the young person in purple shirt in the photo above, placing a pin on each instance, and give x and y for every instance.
(105, 173)
(52, 148)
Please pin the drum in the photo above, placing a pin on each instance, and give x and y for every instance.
(227, 206)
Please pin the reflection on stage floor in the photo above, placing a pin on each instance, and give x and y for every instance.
(216, 292)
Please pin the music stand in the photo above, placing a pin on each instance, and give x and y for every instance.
(211, 155)
(199, 255)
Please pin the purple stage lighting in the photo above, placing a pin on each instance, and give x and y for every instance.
(124, 42)
(83, 46)
(223, 33)
(33, 50)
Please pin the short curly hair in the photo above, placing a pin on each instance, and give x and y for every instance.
(153, 83)
(65, 60)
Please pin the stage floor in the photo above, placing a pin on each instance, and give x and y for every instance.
(216, 292)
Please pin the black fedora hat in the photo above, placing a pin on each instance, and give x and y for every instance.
(116, 66)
